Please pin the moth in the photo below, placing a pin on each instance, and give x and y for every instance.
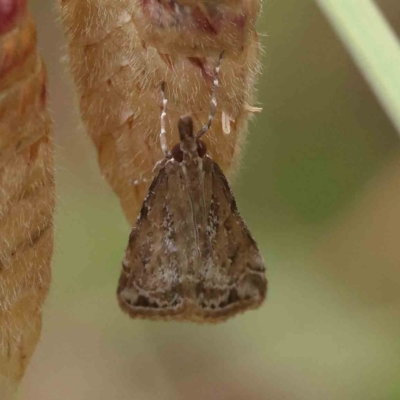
(190, 255)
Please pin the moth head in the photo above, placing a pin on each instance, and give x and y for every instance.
(188, 142)
(185, 127)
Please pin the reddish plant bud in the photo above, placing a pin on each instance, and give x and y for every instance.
(10, 11)
(121, 51)
(196, 27)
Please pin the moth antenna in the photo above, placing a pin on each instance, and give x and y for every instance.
(213, 102)
(163, 132)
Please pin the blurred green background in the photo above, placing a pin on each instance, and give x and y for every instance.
(319, 187)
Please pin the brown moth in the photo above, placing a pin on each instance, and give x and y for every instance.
(190, 254)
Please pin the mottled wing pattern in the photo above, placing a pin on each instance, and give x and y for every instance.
(233, 276)
(190, 255)
(147, 285)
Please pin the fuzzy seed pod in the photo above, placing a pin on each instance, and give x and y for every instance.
(120, 53)
(26, 193)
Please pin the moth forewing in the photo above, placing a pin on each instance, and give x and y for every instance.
(147, 282)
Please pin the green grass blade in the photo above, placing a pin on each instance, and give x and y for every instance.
(373, 45)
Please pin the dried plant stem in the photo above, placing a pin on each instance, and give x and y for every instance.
(26, 193)
(120, 53)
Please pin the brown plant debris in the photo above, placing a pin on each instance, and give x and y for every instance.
(120, 52)
(26, 193)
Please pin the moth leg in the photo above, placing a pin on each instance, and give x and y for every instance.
(163, 140)
(213, 101)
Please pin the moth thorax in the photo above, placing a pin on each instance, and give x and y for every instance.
(177, 152)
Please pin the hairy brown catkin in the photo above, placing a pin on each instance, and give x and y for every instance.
(120, 53)
(26, 193)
